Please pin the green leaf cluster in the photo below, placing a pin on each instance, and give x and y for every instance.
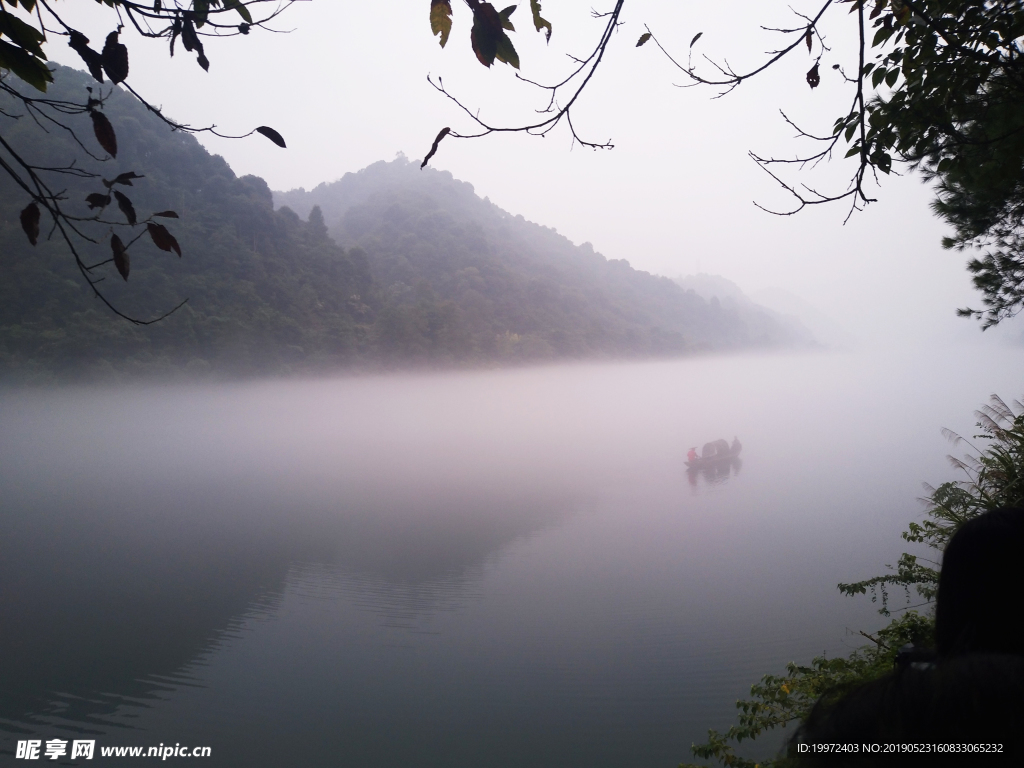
(953, 107)
(487, 36)
(779, 700)
(21, 50)
(22, 44)
(994, 479)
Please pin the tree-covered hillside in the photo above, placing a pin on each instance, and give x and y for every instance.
(519, 288)
(416, 270)
(266, 292)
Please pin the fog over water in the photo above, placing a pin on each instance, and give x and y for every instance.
(497, 567)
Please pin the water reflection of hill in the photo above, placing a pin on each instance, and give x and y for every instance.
(97, 603)
(358, 572)
(110, 591)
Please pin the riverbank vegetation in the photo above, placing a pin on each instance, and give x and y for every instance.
(994, 478)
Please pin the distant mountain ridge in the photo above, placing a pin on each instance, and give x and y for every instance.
(826, 330)
(803, 319)
(511, 277)
(387, 267)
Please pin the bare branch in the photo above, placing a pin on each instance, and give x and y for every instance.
(555, 112)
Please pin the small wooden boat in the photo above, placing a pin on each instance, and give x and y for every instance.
(715, 454)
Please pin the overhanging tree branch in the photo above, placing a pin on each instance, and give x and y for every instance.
(554, 112)
(22, 58)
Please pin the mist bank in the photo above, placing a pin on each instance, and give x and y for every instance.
(388, 268)
(518, 555)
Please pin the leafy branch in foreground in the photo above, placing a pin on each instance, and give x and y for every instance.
(948, 85)
(489, 25)
(778, 700)
(994, 479)
(935, 84)
(24, 33)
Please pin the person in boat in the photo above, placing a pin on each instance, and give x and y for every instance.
(691, 455)
(736, 447)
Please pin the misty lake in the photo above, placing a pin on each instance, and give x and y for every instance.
(497, 568)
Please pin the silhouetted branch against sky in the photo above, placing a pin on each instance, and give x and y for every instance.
(561, 95)
(880, 50)
(725, 78)
(945, 81)
(28, 27)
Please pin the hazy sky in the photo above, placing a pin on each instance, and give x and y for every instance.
(347, 86)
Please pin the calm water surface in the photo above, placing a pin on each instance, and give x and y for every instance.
(483, 569)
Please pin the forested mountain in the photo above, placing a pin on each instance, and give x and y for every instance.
(266, 292)
(518, 288)
(410, 268)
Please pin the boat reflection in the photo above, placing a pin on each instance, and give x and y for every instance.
(714, 473)
(717, 461)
